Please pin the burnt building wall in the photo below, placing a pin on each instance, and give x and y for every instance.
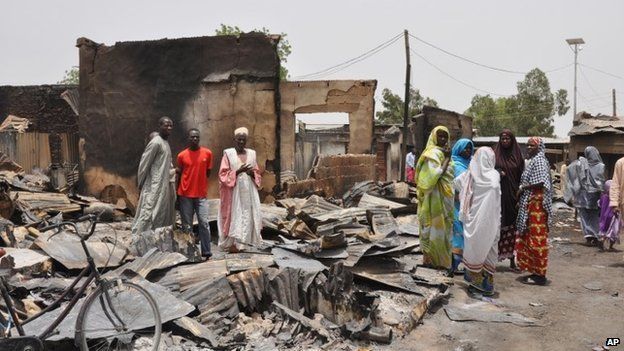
(42, 105)
(355, 97)
(215, 84)
(460, 126)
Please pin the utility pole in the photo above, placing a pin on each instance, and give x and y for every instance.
(614, 106)
(408, 69)
(575, 42)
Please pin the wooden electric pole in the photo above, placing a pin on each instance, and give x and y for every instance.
(614, 106)
(406, 116)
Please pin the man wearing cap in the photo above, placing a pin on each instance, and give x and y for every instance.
(240, 220)
(194, 165)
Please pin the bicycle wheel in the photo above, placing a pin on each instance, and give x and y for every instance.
(118, 316)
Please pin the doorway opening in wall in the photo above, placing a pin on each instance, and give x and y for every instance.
(319, 134)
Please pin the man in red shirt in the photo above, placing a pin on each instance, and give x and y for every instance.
(194, 165)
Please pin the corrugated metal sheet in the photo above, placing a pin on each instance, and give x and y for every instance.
(7, 144)
(32, 150)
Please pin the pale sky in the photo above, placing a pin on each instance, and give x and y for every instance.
(37, 40)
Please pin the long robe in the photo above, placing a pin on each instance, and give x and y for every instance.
(240, 219)
(460, 166)
(156, 179)
(480, 198)
(609, 220)
(585, 179)
(537, 171)
(535, 214)
(435, 203)
(616, 192)
(510, 161)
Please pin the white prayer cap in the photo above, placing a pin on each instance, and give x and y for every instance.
(241, 130)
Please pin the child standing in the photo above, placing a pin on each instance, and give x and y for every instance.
(609, 220)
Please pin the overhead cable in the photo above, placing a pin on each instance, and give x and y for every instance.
(482, 64)
(343, 65)
(456, 79)
(601, 71)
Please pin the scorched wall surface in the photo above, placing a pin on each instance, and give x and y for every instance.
(215, 84)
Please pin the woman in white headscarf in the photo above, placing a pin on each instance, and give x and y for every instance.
(240, 220)
(480, 208)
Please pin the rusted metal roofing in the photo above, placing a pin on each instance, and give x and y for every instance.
(32, 149)
(152, 260)
(587, 124)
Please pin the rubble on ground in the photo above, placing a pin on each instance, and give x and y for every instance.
(333, 273)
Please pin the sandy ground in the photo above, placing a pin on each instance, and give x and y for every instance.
(573, 316)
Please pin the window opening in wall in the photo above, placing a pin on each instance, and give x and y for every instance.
(319, 134)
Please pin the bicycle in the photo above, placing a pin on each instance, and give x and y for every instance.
(110, 317)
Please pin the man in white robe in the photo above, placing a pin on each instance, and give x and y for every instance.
(240, 219)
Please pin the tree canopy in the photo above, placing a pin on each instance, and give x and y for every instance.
(71, 76)
(394, 106)
(284, 48)
(529, 112)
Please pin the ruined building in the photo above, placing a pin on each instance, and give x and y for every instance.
(212, 83)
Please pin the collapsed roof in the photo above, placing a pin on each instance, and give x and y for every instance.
(586, 124)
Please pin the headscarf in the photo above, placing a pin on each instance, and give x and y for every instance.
(460, 163)
(431, 148)
(592, 170)
(537, 171)
(480, 202)
(482, 176)
(510, 161)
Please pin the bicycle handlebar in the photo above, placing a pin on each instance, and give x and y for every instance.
(89, 217)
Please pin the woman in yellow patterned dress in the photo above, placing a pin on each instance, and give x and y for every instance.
(434, 179)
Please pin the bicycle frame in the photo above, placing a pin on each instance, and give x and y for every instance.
(93, 274)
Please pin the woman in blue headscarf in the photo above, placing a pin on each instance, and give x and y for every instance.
(461, 154)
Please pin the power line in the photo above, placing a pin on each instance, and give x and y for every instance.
(465, 59)
(559, 68)
(588, 83)
(456, 79)
(591, 105)
(601, 71)
(343, 65)
(482, 64)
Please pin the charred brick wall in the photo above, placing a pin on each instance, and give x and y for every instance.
(460, 126)
(42, 105)
(333, 175)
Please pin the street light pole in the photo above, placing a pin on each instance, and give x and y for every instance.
(576, 42)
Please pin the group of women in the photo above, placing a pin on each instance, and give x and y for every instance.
(587, 189)
(481, 207)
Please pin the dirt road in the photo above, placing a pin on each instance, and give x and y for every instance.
(582, 306)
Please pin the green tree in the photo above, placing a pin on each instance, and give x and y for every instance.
(394, 105)
(529, 112)
(486, 112)
(284, 49)
(72, 76)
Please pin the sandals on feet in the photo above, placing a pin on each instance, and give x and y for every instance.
(534, 279)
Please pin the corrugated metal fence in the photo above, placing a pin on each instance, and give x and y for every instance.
(32, 150)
